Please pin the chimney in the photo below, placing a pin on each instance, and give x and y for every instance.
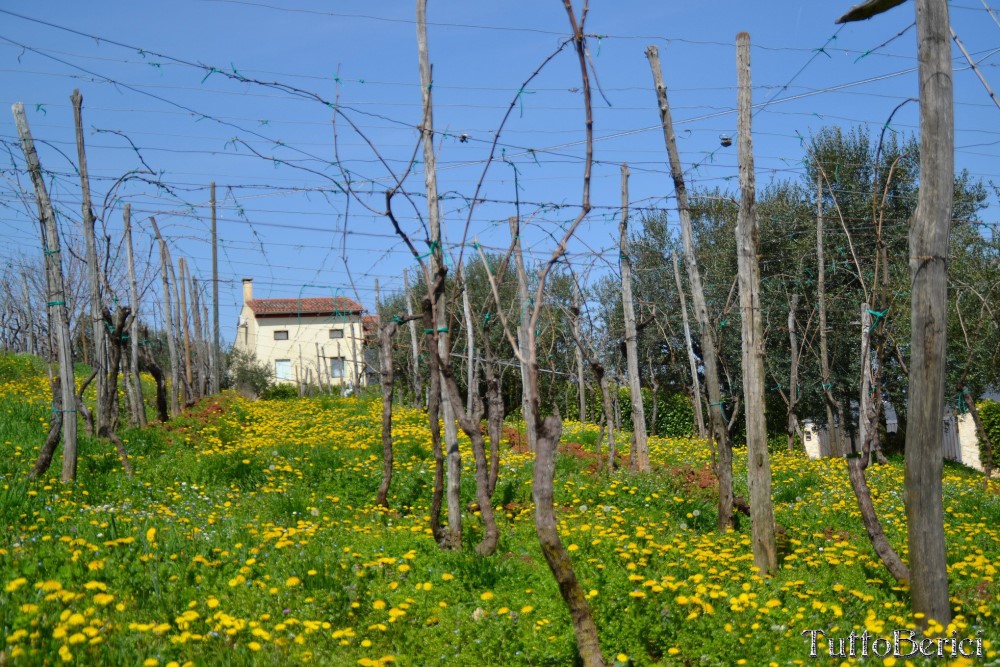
(247, 290)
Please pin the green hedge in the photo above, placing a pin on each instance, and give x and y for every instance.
(989, 413)
(674, 414)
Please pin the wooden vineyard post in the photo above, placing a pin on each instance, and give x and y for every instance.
(639, 453)
(720, 431)
(215, 362)
(833, 430)
(414, 345)
(692, 361)
(522, 331)
(470, 345)
(139, 410)
(93, 272)
(438, 271)
(56, 294)
(747, 233)
(929, 233)
(184, 329)
(578, 353)
(175, 375)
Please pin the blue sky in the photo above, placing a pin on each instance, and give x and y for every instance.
(292, 229)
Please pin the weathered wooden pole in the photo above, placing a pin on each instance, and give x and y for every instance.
(414, 345)
(866, 401)
(580, 378)
(833, 430)
(472, 391)
(454, 458)
(929, 235)
(720, 431)
(32, 342)
(175, 375)
(699, 416)
(747, 234)
(214, 359)
(199, 350)
(522, 331)
(792, 418)
(139, 409)
(185, 332)
(385, 332)
(93, 271)
(56, 292)
(639, 453)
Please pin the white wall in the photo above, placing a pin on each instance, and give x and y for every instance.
(304, 334)
(968, 443)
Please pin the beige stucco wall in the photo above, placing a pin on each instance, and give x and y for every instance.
(810, 440)
(968, 443)
(304, 334)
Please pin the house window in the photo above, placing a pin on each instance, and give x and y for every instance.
(336, 333)
(337, 367)
(281, 335)
(283, 369)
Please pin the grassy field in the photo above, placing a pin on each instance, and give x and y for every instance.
(249, 536)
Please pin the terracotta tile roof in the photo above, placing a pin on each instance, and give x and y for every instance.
(308, 306)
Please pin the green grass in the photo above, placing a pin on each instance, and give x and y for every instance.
(248, 536)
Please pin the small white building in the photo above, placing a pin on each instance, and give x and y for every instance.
(314, 340)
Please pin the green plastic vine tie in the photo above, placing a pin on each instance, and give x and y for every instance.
(397, 319)
(863, 55)
(442, 329)
(211, 71)
(960, 403)
(41, 107)
(723, 323)
(56, 303)
(431, 247)
(428, 331)
(51, 252)
(878, 315)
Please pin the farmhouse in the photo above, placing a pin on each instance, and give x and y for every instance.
(314, 340)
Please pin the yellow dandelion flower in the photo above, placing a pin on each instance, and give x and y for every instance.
(15, 584)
